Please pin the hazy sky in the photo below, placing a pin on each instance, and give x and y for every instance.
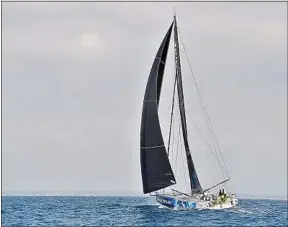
(74, 76)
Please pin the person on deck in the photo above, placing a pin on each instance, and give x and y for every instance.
(225, 195)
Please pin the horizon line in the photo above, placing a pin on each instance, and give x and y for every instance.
(130, 194)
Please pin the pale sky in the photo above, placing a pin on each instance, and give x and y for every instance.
(74, 76)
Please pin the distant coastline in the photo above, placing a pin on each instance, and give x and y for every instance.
(130, 194)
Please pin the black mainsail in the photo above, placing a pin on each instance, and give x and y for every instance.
(155, 166)
(194, 181)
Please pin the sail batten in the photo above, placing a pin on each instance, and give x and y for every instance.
(155, 166)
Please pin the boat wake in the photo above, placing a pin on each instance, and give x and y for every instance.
(242, 211)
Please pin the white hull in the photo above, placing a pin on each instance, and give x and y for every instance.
(188, 203)
(225, 205)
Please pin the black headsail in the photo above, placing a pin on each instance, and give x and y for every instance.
(194, 181)
(155, 166)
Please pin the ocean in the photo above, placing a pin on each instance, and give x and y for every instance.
(133, 211)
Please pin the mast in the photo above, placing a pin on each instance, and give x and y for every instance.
(194, 181)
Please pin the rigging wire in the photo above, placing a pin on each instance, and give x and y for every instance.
(174, 163)
(209, 148)
(172, 148)
(171, 117)
(173, 143)
(172, 110)
(208, 123)
(204, 110)
(177, 148)
(185, 179)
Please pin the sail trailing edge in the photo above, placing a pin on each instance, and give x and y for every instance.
(155, 166)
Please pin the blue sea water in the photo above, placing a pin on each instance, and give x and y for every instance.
(140, 211)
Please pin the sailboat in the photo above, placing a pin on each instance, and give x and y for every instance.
(156, 169)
